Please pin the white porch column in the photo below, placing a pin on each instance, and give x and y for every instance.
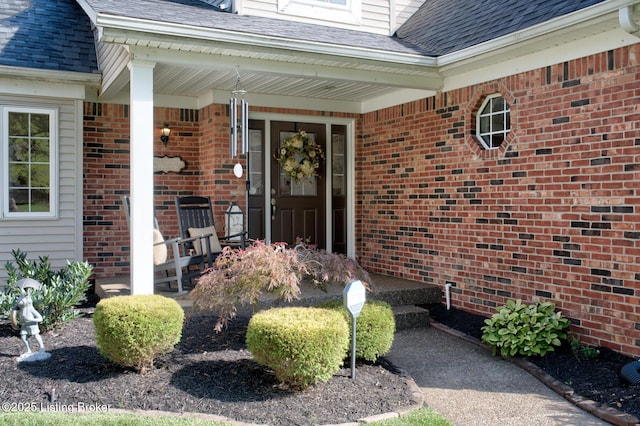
(141, 146)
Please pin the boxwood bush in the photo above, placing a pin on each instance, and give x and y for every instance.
(518, 329)
(301, 345)
(375, 327)
(133, 330)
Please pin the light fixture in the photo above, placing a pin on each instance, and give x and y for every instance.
(164, 134)
(234, 222)
(238, 120)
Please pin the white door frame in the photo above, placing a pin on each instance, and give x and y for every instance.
(350, 167)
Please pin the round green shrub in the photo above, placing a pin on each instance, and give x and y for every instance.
(518, 329)
(375, 327)
(132, 330)
(301, 345)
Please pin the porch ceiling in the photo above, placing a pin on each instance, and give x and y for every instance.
(209, 71)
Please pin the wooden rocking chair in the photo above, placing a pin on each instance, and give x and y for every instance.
(195, 217)
(174, 259)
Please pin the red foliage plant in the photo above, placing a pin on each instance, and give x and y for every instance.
(241, 276)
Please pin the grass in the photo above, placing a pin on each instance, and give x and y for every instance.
(59, 419)
(420, 417)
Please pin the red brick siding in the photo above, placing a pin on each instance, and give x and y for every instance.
(107, 179)
(553, 215)
(200, 138)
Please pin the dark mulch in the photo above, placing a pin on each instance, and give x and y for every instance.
(598, 379)
(206, 373)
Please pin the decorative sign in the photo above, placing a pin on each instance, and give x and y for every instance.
(168, 164)
(354, 297)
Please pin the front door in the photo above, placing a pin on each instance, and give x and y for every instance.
(297, 208)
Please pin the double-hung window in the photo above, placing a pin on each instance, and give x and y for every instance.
(28, 185)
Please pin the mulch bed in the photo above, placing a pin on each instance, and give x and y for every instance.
(597, 379)
(206, 373)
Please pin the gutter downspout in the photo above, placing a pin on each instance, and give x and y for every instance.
(627, 23)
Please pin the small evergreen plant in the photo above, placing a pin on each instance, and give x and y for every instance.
(583, 352)
(518, 329)
(59, 293)
(301, 345)
(133, 330)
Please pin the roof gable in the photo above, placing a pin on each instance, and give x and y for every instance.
(445, 26)
(46, 34)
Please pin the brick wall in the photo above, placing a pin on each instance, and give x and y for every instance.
(552, 215)
(107, 179)
(199, 137)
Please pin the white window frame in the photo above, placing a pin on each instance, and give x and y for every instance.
(349, 13)
(5, 212)
(480, 134)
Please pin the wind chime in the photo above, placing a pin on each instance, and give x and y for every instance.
(238, 125)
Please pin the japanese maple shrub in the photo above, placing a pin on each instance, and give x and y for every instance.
(518, 329)
(375, 327)
(301, 345)
(133, 330)
(241, 276)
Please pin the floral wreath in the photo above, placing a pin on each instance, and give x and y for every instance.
(300, 156)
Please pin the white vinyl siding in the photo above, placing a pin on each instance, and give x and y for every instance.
(59, 237)
(403, 11)
(365, 15)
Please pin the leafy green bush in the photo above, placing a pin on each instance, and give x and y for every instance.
(375, 327)
(60, 292)
(301, 345)
(133, 330)
(518, 329)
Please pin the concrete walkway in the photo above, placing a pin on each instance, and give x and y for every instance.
(467, 385)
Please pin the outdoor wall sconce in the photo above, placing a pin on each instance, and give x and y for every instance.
(164, 134)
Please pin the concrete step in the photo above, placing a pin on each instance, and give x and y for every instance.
(410, 316)
(395, 292)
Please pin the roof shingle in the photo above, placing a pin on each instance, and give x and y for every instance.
(445, 26)
(46, 34)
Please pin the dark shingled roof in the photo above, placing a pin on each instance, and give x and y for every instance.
(200, 14)
(445, 26)
(46, 34)
(56, 34)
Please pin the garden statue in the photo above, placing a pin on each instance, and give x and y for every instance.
(25, 317)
